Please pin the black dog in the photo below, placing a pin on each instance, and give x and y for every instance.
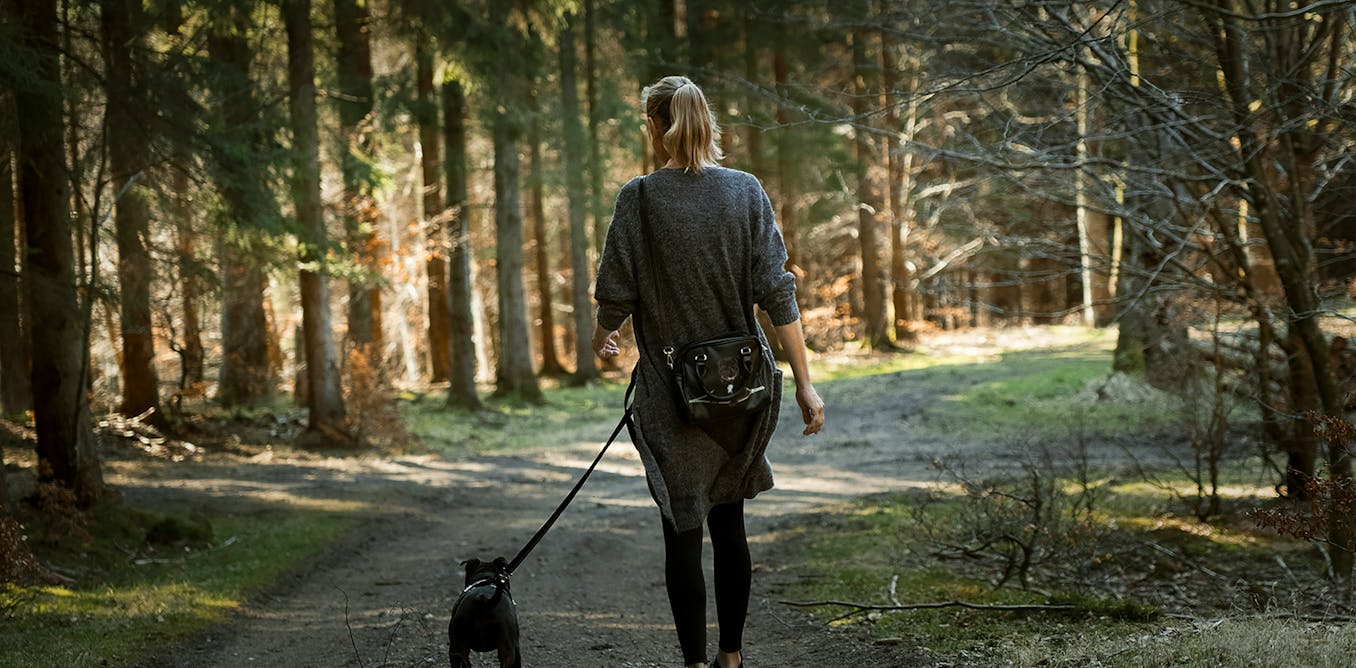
(484, 618)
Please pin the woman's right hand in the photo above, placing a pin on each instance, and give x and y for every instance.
(605, 343)
(811, 408)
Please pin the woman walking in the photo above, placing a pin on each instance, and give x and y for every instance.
(715, 242)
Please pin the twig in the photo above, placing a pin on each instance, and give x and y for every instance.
(1187, 560)
(864, 607)
(352, 640)
(894, 594)
(390, 639)
(1286, 568)
(1327, 558)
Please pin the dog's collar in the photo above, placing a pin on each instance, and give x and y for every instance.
(498, 580)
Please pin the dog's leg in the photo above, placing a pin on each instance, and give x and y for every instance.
(459, 653)
(509, 657)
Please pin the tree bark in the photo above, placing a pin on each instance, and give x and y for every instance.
(513, 373)
(439, 319)
(899, 179)
(185, 240)
(1093, 224)
(546, 326)
(15, 394)
(324, 398)
(66, 449)
(128, 155)
(354, 68)
(786, 161)
(584, 368)
(1286, 234)
(191, 353)
(870, 204)
(245, 376)
(513, 369)
(596, 166)
(461, 334)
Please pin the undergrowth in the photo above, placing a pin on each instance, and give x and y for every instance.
(1109, 553)
(138, 579)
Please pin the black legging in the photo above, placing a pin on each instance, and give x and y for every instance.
(687, 587)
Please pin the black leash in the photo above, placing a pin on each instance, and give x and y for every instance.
(527, 549)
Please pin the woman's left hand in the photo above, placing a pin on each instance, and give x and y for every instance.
(605, 343)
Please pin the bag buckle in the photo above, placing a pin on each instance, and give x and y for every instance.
(668, 355)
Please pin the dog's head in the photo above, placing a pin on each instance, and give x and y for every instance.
(481, 570)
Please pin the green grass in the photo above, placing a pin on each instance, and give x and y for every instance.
(1012, 395)
(853, 552)
(128, 601)
(566, 414)
(1035, 394)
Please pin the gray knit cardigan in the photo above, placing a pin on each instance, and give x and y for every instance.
(704, 225)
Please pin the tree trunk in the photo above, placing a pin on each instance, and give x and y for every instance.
(753, 137)
(899, 179)
(513, 373)
(786, 161)
(324, 397)
(128, 158)
(1286, 233)
(66, 449)
(596, 166)
(870, 204)
(192, 354)
(546, 320)
(245, 376)
(354, 68)
(1093, 225)
(15, 394)
(461, 333)
(584, 368)
(662, 56)
(1133, 301)
(439, 319)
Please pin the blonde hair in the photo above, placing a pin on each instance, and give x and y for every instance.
(691, 135)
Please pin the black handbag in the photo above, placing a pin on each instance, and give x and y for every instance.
(720, 379)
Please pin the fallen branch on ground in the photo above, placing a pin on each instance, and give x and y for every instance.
(864, 607)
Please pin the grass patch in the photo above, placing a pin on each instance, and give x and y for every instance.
(566, 414)
(1015, 394)
(1038, 394)
(131, 598)
(854, 553)
(1147, 558)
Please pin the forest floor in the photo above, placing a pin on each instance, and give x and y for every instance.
(592, 593)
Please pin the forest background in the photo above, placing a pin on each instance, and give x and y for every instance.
(213, 207)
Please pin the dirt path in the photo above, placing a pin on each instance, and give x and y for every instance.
(592, 593)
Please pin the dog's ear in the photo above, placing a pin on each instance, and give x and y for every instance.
(500, 564)
(471, 566)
